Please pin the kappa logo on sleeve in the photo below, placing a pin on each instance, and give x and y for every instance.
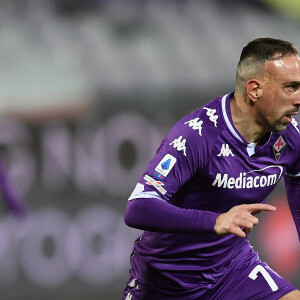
(164, 167)
(195, 124)
(179, 144)
(211, 114)
(295, 124)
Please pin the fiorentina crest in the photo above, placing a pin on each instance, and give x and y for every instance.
(278, 147)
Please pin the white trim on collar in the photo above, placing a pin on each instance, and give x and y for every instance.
(251, 146)
(227, 119)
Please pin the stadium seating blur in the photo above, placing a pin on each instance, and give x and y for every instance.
(83, 82)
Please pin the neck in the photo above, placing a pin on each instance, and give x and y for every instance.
(243, 116)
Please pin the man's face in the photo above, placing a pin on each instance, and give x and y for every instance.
(281, 93)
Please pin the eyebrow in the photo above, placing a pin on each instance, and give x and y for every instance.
(290, 83)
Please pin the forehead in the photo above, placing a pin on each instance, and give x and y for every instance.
(283, 69)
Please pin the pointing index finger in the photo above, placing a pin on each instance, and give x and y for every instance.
(259, 207)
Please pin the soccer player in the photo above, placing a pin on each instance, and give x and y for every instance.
(197, 200)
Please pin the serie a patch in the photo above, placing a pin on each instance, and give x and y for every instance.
(164, 167)
(278, 147)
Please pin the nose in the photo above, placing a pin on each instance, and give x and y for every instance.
(296, 101)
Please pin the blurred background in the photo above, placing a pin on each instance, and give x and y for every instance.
(88, 88)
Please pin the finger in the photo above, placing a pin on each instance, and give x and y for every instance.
(238, 231)
(258, 207)
(255, 212)
(245, 224)
(252, 219)
(247, 230)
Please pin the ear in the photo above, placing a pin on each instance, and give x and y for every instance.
(254, 90)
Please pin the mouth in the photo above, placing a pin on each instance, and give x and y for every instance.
(288, 117)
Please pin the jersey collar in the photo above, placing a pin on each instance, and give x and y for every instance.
(229, 122)
(228, 119)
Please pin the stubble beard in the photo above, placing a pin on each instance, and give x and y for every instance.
(278, 125)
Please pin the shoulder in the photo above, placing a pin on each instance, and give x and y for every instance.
(296, 125)
(292, 132)
(192, 138)
(292, 139)
(202, 126)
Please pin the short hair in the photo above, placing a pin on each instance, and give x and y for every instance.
(256, 53)
(261, 50)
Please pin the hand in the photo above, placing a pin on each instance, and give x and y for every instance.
(238, 217)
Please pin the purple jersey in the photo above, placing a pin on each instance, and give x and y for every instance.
(243, 277)
(205, 164)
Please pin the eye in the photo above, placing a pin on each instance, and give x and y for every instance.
(291, 88)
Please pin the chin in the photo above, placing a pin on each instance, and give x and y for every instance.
(279, 127)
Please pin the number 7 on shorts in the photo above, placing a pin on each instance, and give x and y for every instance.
(265, 274)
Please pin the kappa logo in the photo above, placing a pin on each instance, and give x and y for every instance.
(133, 284)
(164, 166)
(225, 151)
(278, 147)
(157, 184)
(179, 144)
(128, 297)
(295, 124)
(196, 124)
(211, 114)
